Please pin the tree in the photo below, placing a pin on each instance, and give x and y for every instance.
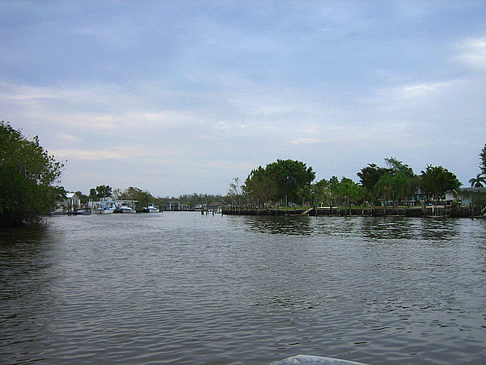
(27, 177)
(142, 197)
(397, 182)
(259, 186)
(289, 177)
(478, 181)
(103, 191)
(385, 187)
(369, 176)
(483, 160)
(349, 192)
(287, 180)
(322, 192)
(82, 198)
(235, 192)
(399, 167)
(93, 195)
(436, 181)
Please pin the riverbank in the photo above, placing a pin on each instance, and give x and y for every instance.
(428, 211)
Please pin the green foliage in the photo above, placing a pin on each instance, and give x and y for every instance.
(195, 199)
(322, 193)
(343, 193)
(259, 186)
(27, 175)
(100, 192)
(397, 166)
(478, 181)
(369, 176)
(397, 182)
(348, 191)
(288, 177)
(283, 180)
(103, 191)
(82, 198)
(142, 197)
(483, 160)
(436, 181)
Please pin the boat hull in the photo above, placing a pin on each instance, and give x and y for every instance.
(105, 211)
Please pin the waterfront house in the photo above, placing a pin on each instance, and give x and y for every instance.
(69, 204)
(472, 196)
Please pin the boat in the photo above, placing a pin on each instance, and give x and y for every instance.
(105, 207)
(82, 212)
(105, 210)
(59, 211)
(126, 209)
(151, 209)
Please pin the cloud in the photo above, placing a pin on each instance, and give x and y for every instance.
(122, 153)
(472, 52)
(306, 141)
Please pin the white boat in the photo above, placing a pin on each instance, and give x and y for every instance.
(104, 207)
(151, 209)
(59, 211)
(105, 210)
(126, 209)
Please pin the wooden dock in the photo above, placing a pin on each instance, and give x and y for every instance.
(379, 211)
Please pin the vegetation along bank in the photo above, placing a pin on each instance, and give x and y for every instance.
(29, 189)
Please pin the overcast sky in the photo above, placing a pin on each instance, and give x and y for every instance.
(183, 96)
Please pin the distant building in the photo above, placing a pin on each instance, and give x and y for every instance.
(176, 206)
(70, 204)
(468, 196)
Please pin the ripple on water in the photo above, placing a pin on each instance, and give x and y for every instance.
(186, 288)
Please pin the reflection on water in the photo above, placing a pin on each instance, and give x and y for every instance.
(27, 272)
(184, 288)
(390, 228)
(287, 225)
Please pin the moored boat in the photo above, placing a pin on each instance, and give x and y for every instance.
(151, 209)
(125, 209)
(105, 210)
(105, 207)
(59, 211)
(82, 212)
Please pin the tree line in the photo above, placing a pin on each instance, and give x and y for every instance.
(144, 197)
(289, 182)
(29, 184)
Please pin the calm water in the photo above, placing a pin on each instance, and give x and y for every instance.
(185, 288)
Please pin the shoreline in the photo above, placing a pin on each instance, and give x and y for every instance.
(414, 212)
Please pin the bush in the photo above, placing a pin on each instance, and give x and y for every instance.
(27, 175)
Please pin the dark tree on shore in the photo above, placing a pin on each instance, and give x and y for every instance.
(259, 186)
(397, 182)
(369, 176)
(103, 191)
(284, 180)
(27, 177)
(436, 181)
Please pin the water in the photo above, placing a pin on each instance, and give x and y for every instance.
(184, 288)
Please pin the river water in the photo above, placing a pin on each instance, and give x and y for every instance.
(184, 288)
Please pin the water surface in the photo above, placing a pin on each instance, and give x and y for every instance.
(185, 288)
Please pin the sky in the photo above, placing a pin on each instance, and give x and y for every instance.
(181, 96)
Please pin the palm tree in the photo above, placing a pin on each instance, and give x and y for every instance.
(478, 181)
